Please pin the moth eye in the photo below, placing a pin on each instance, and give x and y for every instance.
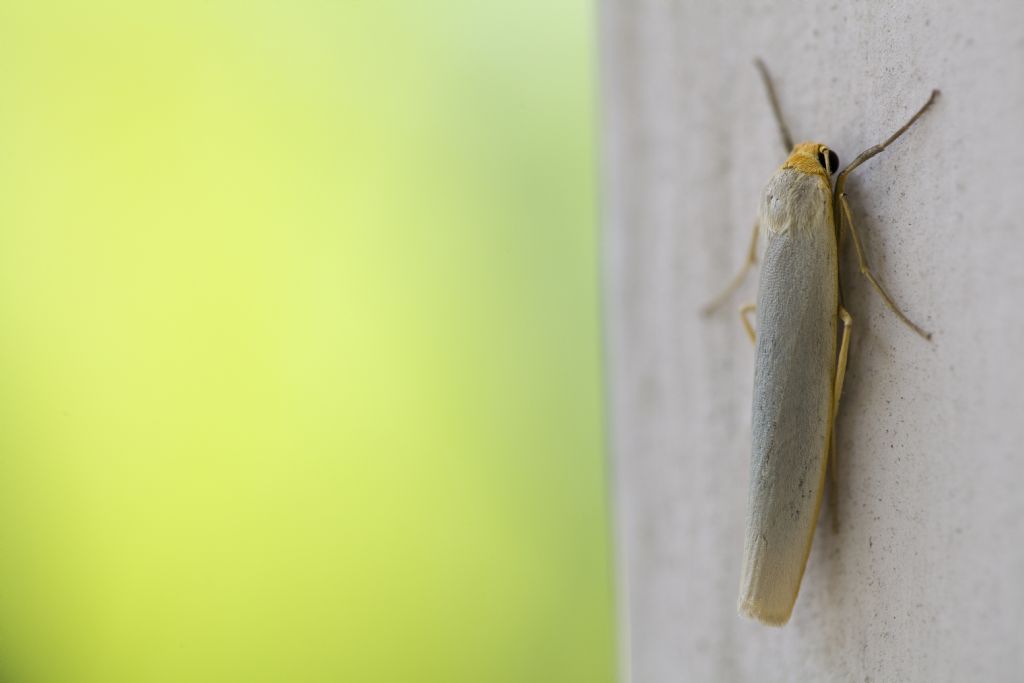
(833, 161)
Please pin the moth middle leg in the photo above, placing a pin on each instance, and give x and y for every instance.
(745, 310)
(837, 392)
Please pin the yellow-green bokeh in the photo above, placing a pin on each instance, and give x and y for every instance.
(299, 344)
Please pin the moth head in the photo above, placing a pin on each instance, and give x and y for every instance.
(828, 159)
(813, 157)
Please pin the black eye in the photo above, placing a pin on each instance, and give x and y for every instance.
(833, 161)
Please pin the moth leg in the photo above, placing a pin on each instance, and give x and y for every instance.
(866, 271)
(844, 350)
(842, 209)
(744, 311)
(738, 280)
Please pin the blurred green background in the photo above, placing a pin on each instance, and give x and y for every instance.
(300, 343)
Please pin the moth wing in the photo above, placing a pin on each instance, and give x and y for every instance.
(792, 414)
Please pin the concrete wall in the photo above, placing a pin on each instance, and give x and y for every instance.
(925, 580)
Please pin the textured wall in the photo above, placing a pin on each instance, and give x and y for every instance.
(925, 581)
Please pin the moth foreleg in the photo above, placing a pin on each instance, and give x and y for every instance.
(866, 271)
(740, 276)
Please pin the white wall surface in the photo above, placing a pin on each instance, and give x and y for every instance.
(925, 580)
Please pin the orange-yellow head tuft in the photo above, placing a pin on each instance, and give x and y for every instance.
(813, 158)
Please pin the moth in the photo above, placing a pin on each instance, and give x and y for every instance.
(800, 359)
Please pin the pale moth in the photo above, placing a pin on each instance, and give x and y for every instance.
(799, 364)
